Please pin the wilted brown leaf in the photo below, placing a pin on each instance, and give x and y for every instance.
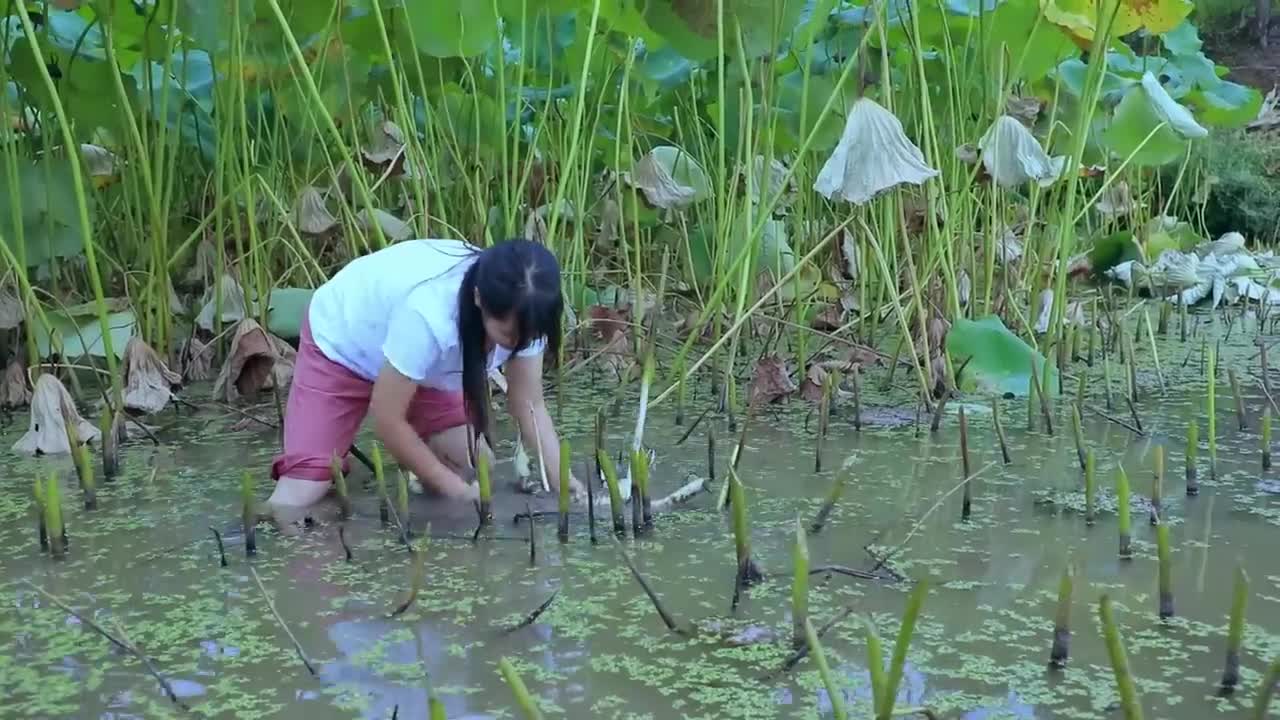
(51, 409)
(771, 380)
(811, 387)
(15, 391)
(148, 382)
(258, 361)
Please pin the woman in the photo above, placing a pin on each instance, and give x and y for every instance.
(408, 335)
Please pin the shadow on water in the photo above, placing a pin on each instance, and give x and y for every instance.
(147, 560)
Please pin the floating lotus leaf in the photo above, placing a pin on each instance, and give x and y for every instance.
(873, 155)
(74, 335)
(1013, 156)
(997, 360)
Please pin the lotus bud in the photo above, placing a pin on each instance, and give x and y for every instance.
(873, 155)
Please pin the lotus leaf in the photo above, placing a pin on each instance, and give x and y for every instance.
(997, 360)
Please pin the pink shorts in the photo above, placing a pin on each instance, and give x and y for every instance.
(327, 404)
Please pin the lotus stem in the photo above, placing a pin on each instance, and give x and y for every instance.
(640, 476)
(297, 646)
(38, 499)
(1078, 432)
(1122, 508)
(711, 455)
(1000, 436)
(222, 550)
(1131, 364)
(1157, 482)
(824, 419)
(53, 518)
(1210, 374)
(532, 617)
(380, 486)
(1235, 631)
(748, 572)
(485, 482)
(1119, 662)
(1090, 488)
(834, 694)
(1080, 390)
(402, 503)
(855, 384)
(591, 495)
(1267, 691)
(1266, 438)
(799, 587)
(1155, 353)
(248, 517)
(417, 576)
(875, 665)
(533, 535)
(898, 663)
(615, 493)
(1165, 571)
(1033, 388)
(340, 486)
(966, 503)
(637, 506)
(1241, 418)
(1193, 451)
(562, 531)
(1062, 620)
(833, 497)
(1106, 379)
(667, 618)
(524, 699)
(88, 483)
(1046, 403)
(110, 445)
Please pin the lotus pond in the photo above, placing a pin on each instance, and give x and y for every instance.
(145, 563)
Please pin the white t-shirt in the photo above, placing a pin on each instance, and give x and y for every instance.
(400, 305)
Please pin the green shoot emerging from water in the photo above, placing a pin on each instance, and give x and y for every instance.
(528, 704)
(1165, 570)
(1235, 632)
(1090, 487)
(748, 572)
(53, 517)
(1062, 620)
(340, 485)
(248, 517)
(37, 497)
(800, 588)
(615, 493)
(1122, 508)
(834, 694)
(884, 700)
(1119, 662)
(1211, 412)
(1193, 450)
(565, 472)
(1157, 482)
(484, 478)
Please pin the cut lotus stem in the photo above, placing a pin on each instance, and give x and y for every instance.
(1046, 404)
(342, 540)
(297, 646)
(1211, 374)
(640, 480)
(485, 482)
(1165, 571)
(1106, 379)
(711, 456)
(667, 618)
(1000, 436)
(1235, 632)
(1119, 662)
(1032, 390)
(748, 572)
(112, 431)
(1265, 440)
(1122, 509)
(222, 551)
(380, 486)
(417, 576)
(1077, 431)
(834, 694)
(855, 384)
(1131, 364)
(524, 699)
(402, 504)
(38, 499)
(1157, 482)
(637, 506)
(1061, 649)
(898, 663)
(1155, 353)
(615, 493)
(340, 487)
(1267, 691)
(833, 497)
(1241, 419)
(799, 587)
(532, 617)
(562, 531)
(824, 419)
(966, 502)
(533, 535)
(591, 496)
(88, 483)
(1090, 488)
(248, 516)
(53, 518)
(1193, 451)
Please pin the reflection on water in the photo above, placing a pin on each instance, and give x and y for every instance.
(980, 651)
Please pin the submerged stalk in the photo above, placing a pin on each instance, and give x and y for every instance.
(1165, 571)
(1265, 439)
(1192, 452)
(1090, 488)
(1078, 433)
(248, 518)
(38, 499)
(562, 531)
(966, 502)
(1062, 620)
(1122, 508)
(615, 493)
(799, 587)
(640, 491)
(1000, 436)
(53, 521)
(1235, 632)
(1157, 482)
(833, 497)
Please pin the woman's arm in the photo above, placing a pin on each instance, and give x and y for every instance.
(526, 404)
(389, 407)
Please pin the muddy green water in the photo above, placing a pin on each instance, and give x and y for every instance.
(146, 559)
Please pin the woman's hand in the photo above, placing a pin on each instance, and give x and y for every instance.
(389, 407)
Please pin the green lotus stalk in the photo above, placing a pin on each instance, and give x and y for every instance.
(833, 497)
(1033, 389)
(855, 385)
(1267, 691)
(711, 456)
(1157, 482)
(1155, 353)
(88, 483)
(1211, 373)
(1235, 631)
(875, 664)
(591, 495)
(1077, 432)
(748, 572)
(565, 476)
(966, 503)
(1238, 396)
(1265, 440)
(42, 527)
(1000, 436)
(640, 483)
(824, 419)
(380, 485)
(799, 587)
(1080, 390)
(53, 521)
(1106, 378)
(1165, 571)
(402, 502)
(1093, 338)
(435, 708)
(248, 517)
(110, 444)
(485, 481)
(615, 493)
(1090, 488)
(1062, 620)
(1192, 453)
(1122, 508)
(1119, 662)
(340, 486)
(897, 665)
(834, 694)
(528, 704)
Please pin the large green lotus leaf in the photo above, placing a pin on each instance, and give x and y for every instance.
(1183, 39)
(1226, 104)
(538, 42)
(792, 99)
(1133, 122)
(690, 26)
(1072, 73)
(1082, 17)
(1111, 250)
(75, 336)
(85, 85)
(450, 28)
(287, 308)
(1017, 37)
(896, 21)
(997, 360)
(46, 209)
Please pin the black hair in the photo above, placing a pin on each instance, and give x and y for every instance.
(515, 279)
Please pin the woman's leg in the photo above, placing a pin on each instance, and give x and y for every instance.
(326, 405)
(440, 419)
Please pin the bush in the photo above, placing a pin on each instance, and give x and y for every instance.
(1246, 196)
